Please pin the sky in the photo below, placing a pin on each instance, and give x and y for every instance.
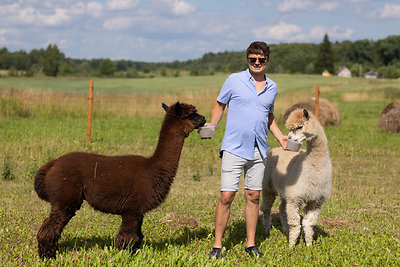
(168, 30)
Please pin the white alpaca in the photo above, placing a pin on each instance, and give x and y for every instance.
(302, 179)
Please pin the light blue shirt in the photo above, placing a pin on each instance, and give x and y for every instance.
(247, 120)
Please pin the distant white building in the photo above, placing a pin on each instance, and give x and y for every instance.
(344, 72)
(371, 74)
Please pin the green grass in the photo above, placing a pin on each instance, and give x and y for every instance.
(359, 225)
(174, 85)
(156, 85)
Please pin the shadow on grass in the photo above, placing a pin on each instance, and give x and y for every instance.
(234, 234)
(76, 243)
(185, 238)
(188, 235)
(276, 223)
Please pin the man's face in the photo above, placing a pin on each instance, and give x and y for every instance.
(257, 63)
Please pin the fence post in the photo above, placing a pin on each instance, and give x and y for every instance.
(89, 127)
(316, 101)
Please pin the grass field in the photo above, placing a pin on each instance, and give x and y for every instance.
(43, 118)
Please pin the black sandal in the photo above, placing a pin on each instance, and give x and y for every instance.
(254, 251)
(215, 253)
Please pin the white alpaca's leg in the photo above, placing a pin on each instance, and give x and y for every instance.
(312, 212)
(268, 198)
(293, 219)
(283, 216)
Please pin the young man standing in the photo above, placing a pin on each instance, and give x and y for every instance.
(250, 97)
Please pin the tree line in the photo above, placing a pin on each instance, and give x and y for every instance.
(382, 56)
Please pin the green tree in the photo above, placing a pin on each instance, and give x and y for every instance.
(325, 57)
(389, 49)
(12, 72)
(66, 69)
(52, 60)
(106, 68)
(121, 65)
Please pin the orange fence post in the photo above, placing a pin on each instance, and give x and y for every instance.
(89, 128)
(316, 101)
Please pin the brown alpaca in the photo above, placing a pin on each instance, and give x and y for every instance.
(128, 185)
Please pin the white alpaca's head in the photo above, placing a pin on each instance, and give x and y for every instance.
(303, 125)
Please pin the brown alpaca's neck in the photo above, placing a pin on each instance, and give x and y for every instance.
(165, 160)
(170, 142)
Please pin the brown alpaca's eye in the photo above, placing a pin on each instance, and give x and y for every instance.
(191, 116)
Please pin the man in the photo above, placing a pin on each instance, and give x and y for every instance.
(250, 96)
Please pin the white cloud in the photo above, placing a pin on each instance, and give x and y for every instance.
(175, 7)
(328, 6)
(94, 9)
(212, 28)
(293, 5)
(47, 15)
(9, 9)
(266, 3)
(318, 32)
(359, 1)
(335, 33)
(27, 16)
(78, 9)
(279, 32)
(388, 12)
(122, 4)
(182, 8)
(6, 31)
(118, 23)
(59, 17)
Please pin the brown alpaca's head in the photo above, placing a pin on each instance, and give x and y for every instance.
(186, 114)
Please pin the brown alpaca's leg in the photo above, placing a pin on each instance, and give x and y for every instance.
(139, 229)
(50, 231)
(130, 233)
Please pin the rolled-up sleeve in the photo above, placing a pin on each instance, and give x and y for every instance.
(226, 92)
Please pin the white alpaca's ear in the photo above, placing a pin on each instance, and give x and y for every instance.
(165, 107)
(306, 115)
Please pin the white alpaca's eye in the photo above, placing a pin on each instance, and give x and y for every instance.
(299, 127)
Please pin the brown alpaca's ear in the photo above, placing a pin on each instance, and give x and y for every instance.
(165, 106)
(306, 115)
(178, 109)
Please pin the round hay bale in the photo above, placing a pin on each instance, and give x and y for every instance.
(394, 104)
(390, 117)
(327, 113)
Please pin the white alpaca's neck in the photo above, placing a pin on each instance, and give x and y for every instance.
(318, 147)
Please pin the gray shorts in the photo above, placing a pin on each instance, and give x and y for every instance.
(232, 167)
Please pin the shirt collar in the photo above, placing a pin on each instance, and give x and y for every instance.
(250, 78)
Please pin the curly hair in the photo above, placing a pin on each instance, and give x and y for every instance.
(258, 47)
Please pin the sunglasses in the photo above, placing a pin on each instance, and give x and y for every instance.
(253, 60)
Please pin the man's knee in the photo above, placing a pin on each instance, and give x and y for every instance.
(252, 195)
(227, 197)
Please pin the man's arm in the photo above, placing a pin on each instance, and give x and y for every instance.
(274, 129)
(216, 114)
